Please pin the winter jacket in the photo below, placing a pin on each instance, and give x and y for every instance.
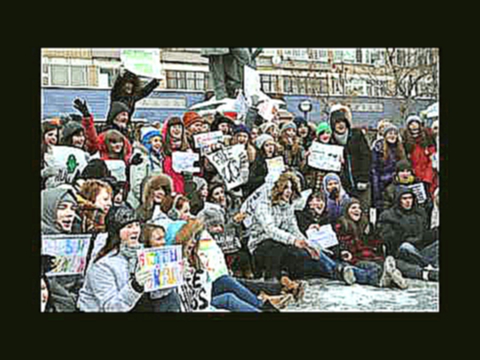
(388, 196)
(91, 135)
(334, 208)
(422, 163)
(257, 174)
(130, 100)
(307, 217)
(276, 222)
(108, 286)
(64, 288)
(291, 159)
(383, 171)
(398, 225)
(150, 165)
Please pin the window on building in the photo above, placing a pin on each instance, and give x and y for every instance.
(356, 87)
(337, 56)
(319, 54)
(78, 75)
(349, 55)
(400, 57)
(190, 80)
(359, 57)
(269, 83)
(187, 80)
(107, 77)
(59, 75)
(287, 85)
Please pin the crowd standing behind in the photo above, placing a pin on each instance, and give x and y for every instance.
(267, 252)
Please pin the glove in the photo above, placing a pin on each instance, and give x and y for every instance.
(136, 159)
(362, 186)
(82, 107)
(140, 279)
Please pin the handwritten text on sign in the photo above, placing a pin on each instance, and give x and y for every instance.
(232, 164)
(323, 238)
(70, 253)
(325, 157)
(183, 161)
(196, 291)
(165, 264)
(143, 62)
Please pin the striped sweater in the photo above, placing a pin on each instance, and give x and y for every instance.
(273, 222)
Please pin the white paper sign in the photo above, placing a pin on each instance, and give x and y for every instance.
(325, 157)
(118, 169)
(69, 161)
(276, 167)
(241, 106)
(299, 204)
(250, 204)
(251, 83)
(212, 257)
(196, 291)
(419, 191)
(323, 238)
(232, 165)
(203, 141)
(142, 62)
(183, 161)
(267, 110)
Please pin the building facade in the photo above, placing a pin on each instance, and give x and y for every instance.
(376, 83)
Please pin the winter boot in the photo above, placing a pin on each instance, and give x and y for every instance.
(345, 273)
(392, 275)
(296, 288)
(278, 301)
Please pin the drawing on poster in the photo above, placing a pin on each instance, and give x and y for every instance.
(183, 161)
(325, 157)
(70, 252)
(323, 238)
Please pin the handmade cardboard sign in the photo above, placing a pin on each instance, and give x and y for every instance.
(70, 253)
(117, 169)
(232, 164)
(276, 167)
(325, 157)
(165, 265)
(68, 162)
(251, 83)
(183, 161)
(419, 191)
(196, 291)
(212, 257)
(142, 62)
(205, 140)
(323, 238)
(250, 204)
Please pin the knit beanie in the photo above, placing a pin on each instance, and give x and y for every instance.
(403, 165)
(116, 108)
(191, 117)
(261, 140)
(289, 125)
(147, 133)
(413, 118)
(390, 127)
(241, 129)
(50, 124)
(70, 129)
(322, 127)
(213, 185)
(119, 217)
(95, 169)
(199, 182)
(266, 126)
(300, 120)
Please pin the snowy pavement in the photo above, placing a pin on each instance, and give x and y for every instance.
(324, 295)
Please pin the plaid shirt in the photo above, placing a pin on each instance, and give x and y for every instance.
(277, 223)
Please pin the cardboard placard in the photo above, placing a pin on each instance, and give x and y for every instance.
(117, 169)
(142, 62)
(195, 292)
(205, 140)
(70, 253)
(165, 265)
(250, 204)
(232, 165)
(325, 157)
(183, 161)
(69, 161)
(212, 257)
(323, 238)
(276, 167)
(419, 191)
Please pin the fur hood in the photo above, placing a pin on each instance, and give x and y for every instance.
(103, 145)
(334, 112)
(155, 182)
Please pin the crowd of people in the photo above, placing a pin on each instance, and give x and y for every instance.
(152, 205)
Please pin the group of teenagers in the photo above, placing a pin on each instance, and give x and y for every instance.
(268, 261)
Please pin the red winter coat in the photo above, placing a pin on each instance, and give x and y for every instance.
(105, 153)
(92, 145)
(420, 158)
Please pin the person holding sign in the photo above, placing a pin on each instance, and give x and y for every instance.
(290, 147)
(58, 215)
(385, 154)
(226, 292)
(314, 177)
(114, 281)
(355, 173)
(156, 198)
(174, 139)
(353, 232)
(128, 90)
(407, 235)
(193, 125)
(241, 135)
(337, 197)
(314, 215)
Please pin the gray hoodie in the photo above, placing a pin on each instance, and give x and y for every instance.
(51, 198)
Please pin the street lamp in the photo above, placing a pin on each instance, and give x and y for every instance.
(305, 106)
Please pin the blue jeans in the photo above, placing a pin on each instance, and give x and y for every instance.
(305, 266)
(429, 255)
(239, 295)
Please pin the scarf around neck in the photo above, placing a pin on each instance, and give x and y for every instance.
(342, 139)
(130, 253)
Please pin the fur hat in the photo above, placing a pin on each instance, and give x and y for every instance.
(191, 117)
(261, 140)
(340, 113)
(156, 182)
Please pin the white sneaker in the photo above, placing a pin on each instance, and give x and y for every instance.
(398, 279)
(388, 268)
(349, 275)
